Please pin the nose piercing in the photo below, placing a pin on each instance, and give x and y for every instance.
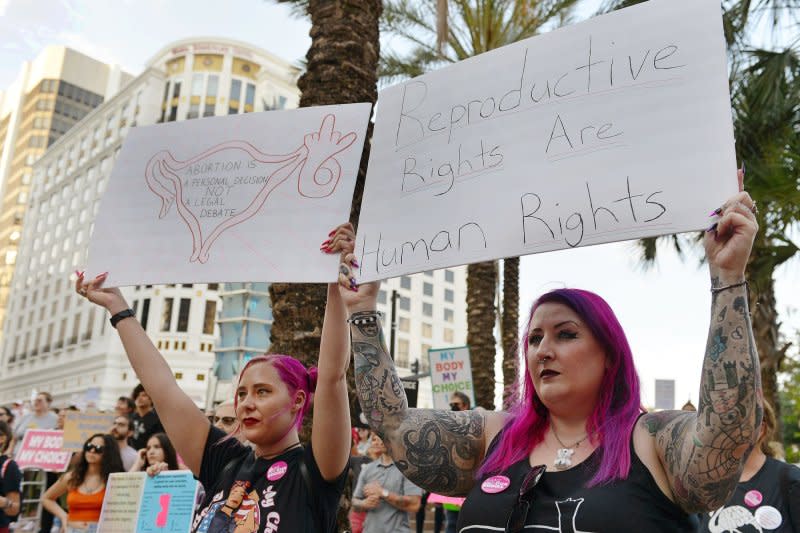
(542, 360)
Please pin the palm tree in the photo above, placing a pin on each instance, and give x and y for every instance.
(765, 91)
(341, 67)
(472, 27)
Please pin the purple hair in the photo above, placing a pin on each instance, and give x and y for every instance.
(293, 374)
(609, 425)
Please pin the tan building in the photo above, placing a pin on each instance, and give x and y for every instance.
(49, 96)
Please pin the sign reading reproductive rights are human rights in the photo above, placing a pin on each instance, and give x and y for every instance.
(612, 129)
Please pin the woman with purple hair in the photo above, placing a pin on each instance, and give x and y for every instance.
(577, 453)
(275, 483)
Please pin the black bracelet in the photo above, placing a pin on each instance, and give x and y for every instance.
(365, 317)
(715, 290)
(119, 316)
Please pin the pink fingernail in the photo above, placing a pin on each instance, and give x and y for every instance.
(712, 227)
(716, 212)
(331, 233)
(355, 263)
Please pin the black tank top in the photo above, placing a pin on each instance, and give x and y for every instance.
(563, 504)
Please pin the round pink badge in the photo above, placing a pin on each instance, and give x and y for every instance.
(495, 484)
(277, 471)
(753, 498)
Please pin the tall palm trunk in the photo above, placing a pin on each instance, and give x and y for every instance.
(766, 326)
(509, 329)
(481, 286)
(342, 65)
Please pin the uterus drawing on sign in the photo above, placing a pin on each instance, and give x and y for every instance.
(229, 183)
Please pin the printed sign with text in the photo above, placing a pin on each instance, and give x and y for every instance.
(42, 448)
(612, 129)
(138, 503)
(236, 198)
(80, 426)
(451, 371)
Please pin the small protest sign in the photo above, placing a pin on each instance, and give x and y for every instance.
(42, 448)
(138, 503)
(451, 371)
(79, 426)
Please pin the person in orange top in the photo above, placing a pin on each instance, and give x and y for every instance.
(85, 485)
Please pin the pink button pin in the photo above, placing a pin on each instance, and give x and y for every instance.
(277, 471)
(495, 484)
(753, 498)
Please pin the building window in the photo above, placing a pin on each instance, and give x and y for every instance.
(145, 313)
(427, 289)
(183, 314)
(201, 377)
(449, 296)
(166, 314)
(402, 349)
(197, 85)
(427, 330)
(449, 276)
(381, 297)
(427, 309)
(210, 316)
(403, 324)
(213, 286)
(448, 335)
(178, 375)
(405, 282)
(249, 98)
(404, 303)
(213, 83)
(448, 315)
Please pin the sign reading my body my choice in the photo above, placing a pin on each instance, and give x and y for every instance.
(612, 129)
(451, 371)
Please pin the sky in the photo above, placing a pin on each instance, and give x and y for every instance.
(664, 310)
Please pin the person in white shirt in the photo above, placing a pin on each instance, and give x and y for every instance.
(121, 430)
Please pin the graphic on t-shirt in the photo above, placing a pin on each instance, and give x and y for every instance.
(238, 513)
(567, 515)
(739, 519)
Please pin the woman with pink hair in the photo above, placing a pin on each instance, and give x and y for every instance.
(577, 453)
(274, 481)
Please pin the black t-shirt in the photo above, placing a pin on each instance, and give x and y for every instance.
(769, 501)
(10, 479)
(144, 427)
(271, 495)
(561, 502)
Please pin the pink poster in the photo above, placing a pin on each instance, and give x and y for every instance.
(41, 448)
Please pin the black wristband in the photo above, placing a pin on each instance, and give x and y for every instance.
(119, 316)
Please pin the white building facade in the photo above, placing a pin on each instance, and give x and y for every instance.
(55, 341)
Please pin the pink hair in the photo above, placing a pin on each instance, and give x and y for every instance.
(292, 373)
(612, 420)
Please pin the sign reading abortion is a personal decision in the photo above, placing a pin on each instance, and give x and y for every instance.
(612, 129)
(235, 198)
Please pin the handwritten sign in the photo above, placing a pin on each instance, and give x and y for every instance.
(612, 129)
(80, 426)
(138, 503)
(451, 371)
(237, 198)
(41, 448)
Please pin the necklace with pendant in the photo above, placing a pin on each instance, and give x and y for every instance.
(564, 454)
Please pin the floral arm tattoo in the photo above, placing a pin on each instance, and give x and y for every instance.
(437, 450)
(703, 453)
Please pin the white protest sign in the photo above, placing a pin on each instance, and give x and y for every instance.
(237, 198)
(612, 129)
(451, 371)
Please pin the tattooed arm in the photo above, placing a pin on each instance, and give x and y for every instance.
(437, 450)
(703, 453)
